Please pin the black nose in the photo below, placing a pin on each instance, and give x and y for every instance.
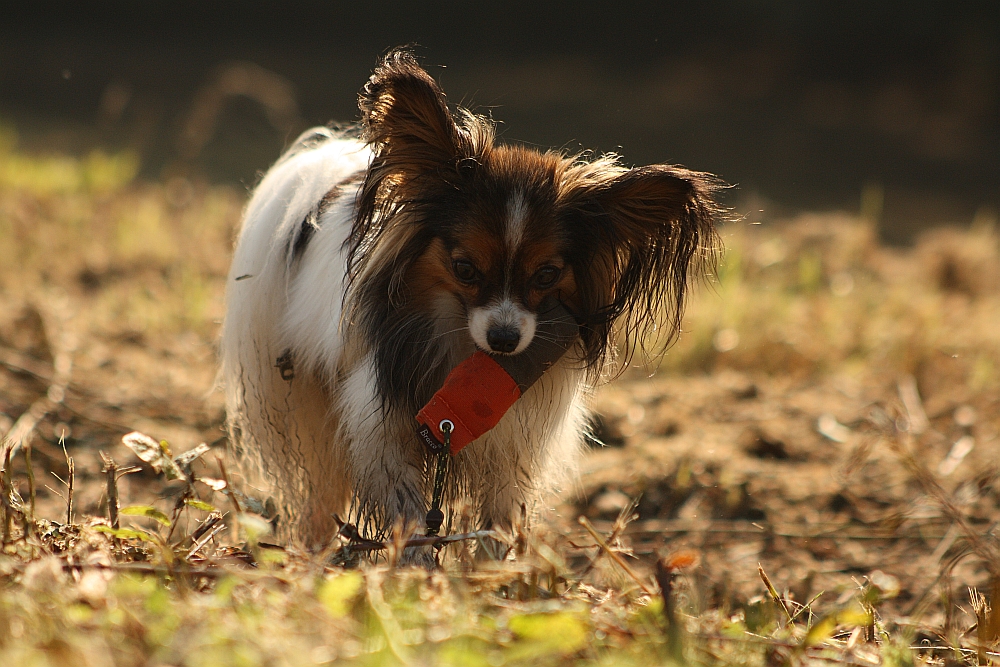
(503, 339)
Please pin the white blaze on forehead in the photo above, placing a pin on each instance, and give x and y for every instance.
(517, 214)
(503, 313)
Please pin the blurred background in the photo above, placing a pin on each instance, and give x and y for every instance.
(893, 107)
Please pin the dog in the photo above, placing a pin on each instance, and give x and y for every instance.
(373, 260)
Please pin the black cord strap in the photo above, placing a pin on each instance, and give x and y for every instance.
(435, 517)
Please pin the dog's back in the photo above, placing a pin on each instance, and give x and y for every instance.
(281, 427)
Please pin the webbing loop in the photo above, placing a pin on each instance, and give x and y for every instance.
(435, 517)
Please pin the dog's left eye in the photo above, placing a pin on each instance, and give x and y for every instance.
(546, 277)
(465, 271)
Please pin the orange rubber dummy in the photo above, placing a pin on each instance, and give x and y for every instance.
(479, 391)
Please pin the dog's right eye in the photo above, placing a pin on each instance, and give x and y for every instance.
(465, 271)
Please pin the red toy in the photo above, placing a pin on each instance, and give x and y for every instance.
(480, 390)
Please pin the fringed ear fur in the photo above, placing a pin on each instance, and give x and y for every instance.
(405, 114)
(656, 227)
(414, 137)
(648, 228)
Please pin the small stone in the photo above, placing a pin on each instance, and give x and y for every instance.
(965, 416)
(610, 503)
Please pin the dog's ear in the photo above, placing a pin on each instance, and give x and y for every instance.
(653, 228)
(405, 115)
(417, 152)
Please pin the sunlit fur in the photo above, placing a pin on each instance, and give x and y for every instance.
(373, 261)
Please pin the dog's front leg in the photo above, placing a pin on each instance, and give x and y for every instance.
(387, 466)
(496, 476)
(388, 482)
(389, 492)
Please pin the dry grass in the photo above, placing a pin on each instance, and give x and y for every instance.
(821, 296)
(783, 428)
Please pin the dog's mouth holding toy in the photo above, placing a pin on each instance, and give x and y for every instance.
(479, 391)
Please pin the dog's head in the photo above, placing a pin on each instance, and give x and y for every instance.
(455, 226)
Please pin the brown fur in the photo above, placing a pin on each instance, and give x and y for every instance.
(650, 226)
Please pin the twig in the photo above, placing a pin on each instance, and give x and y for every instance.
(831, 529)
(183, 463)
(982, 609)
(923, 600)
(808, 605)
(70, 483)
(210, 522)
(144, 568)
(228, 491)
(613, 554)
(216, 528)
(19, 362)
(983, 549)
(29, 522)
(372, 545)
(20, 434)
(625, 516)
(178, 508)
(111, 472)
(942, 548)
(6, 495)
(773, 592)
(814, 653)
(63, 346)
(87, 416)
(665, 570)
(910, 396)
(25, 425)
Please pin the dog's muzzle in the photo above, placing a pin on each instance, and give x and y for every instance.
(479, 391)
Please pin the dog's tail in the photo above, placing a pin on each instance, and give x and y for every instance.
(277, 413)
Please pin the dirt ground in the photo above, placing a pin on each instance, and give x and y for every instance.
(730, 465)
(826, 475)
(736, 468)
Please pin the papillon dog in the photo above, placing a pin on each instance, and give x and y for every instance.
(373, 260)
